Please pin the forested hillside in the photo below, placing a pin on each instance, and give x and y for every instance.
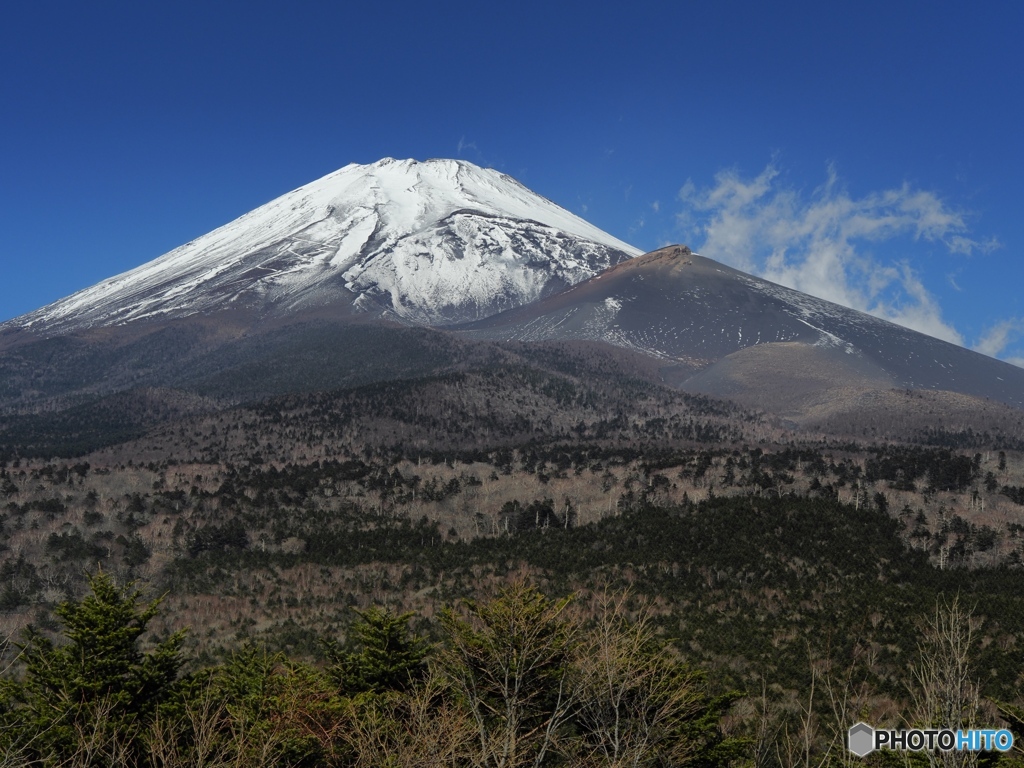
(782, 581)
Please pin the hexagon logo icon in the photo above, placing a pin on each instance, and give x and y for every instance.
(861, 739)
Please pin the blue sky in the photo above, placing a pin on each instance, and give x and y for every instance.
(869, 152)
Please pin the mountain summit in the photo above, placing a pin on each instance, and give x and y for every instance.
(434, 242)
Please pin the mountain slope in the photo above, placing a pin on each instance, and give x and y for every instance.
(270, 303)
(429, 242)
(723, 332)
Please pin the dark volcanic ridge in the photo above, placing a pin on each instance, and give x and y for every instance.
(722, 332)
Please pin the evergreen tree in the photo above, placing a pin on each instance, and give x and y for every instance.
(98, 692)
(390, 657)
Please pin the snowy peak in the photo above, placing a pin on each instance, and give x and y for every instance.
(434, 242)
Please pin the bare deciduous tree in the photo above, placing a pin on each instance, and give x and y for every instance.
(633, 695)
(509, 659)
(424, 729)
(944, 693)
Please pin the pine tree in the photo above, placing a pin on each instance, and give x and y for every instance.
(390, 657)
(99, 691)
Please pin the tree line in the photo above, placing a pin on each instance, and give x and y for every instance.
(519, 679)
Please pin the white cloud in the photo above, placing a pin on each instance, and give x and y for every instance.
(1001, 335)
(821, 243)
(966, 246)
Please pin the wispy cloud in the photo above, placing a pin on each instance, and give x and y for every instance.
(968, 247)
(822, 243)
(997, 339)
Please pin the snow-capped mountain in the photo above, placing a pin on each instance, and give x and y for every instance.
(446, 243)
(433, 242)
